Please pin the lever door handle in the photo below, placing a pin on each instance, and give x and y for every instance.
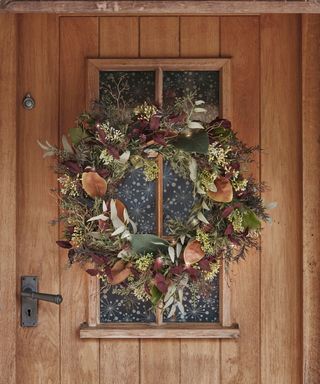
(57, 299)
(29, 300)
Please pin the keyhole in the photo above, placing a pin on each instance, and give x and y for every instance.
(29, 312)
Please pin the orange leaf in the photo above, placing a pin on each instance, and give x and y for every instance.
(224, 192)
(193, 252)
(94, 184)
(120, 207)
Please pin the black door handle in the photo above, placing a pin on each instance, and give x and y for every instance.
(29, 300)
(57, 299)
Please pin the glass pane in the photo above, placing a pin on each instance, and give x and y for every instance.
(139, 196)
(124, 90)
(204, 308)
(115, 308)
(204, 85)
(177, 197)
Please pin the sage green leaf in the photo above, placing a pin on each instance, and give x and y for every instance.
(198, 142)
(77, 134)
(250, 220)
(148, 243)
(155, 295)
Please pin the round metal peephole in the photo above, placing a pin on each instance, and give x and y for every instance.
(28, 102)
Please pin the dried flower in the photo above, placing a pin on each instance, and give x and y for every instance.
(144, 262)
(214, 270)
(69, 186)
(150, 170)
(236, 219)
(145, 111)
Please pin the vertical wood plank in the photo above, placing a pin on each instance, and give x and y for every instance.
(119, 37)
(240, 40)
(37, 254)
(159, 36)
(281, 258)
(8, 315)
(119, 359)
(80, 360)
(311, 196)
(160, 359)
(200, 359)
(200, 36)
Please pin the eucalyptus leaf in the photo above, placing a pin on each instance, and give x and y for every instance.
(199, 110)
(171, 253)
(169, 302)
(178, 249)
(193, 170)
(170, 292)
(77, 134)
(202, 218)
(65, 143)
(198, 142)
(155, 295)
(250, 220)
(194, 125)
(172, 311)
(142, 243)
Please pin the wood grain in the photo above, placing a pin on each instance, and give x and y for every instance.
(311, 196)
(160, 361)
(186, 7)
(38, 348)
(119, 37)
(164, 39)
(240, 40)
(163, 331)
(119, 359)
(195, 356)
(8, 313)
(199, 36)
(281, 258)
(78, 40)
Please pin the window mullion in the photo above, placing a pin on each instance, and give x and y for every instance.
(159, 200)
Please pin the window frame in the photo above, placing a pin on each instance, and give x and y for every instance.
(224, 328)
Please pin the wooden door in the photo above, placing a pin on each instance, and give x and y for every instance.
(51, 53)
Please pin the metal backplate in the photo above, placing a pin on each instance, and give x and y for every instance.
(29, 307)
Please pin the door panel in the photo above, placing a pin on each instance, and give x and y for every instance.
(240, 40)
(266, 293)
(36, 250)
(8, 134)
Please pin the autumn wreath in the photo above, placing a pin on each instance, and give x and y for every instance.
(224, 221)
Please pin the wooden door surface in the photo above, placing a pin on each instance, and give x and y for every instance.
(49, 53)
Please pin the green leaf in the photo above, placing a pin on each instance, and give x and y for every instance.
(250, 220)
(155, 295)
(197, 142)
(77, 134)
(148, 243)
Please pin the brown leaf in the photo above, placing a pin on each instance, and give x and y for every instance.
(224, 192)
(193, 252)
(120, 207)
(94, 184)
(120, 272)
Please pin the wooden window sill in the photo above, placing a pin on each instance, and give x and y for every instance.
(164, 331)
